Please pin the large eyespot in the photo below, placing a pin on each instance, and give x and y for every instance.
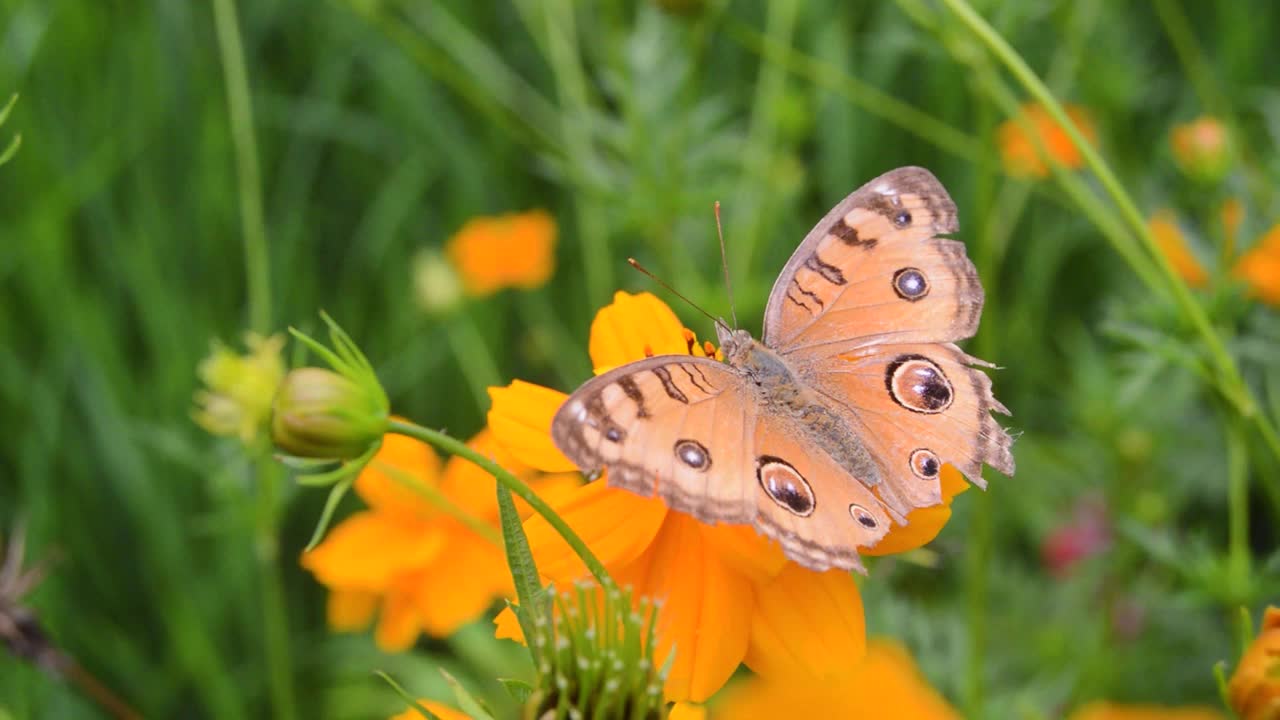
(917, 383)
(910, 284)
(864, 518)
(693, 453)
(902, 219)
(785, 485)
(925, 464)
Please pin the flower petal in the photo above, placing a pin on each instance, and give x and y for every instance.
(468, 575)
(706, 608)
(350, 610)
(520, 419)
(442, 711)
(368, 550)
(745, 550)
(807, 623)
(923, 524)
(631, 326)
(507, 626)
(616, 524)
(398, 624)
(408, 457)
(688, 711)
(473, 489)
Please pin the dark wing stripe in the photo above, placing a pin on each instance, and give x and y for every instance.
(669, 385)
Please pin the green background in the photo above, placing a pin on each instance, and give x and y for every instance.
(382, 126)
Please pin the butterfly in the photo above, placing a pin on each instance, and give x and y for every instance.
(838, 421)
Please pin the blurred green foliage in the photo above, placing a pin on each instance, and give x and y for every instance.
(381, 126)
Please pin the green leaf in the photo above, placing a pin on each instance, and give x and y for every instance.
(409, 699)
(466, 702)
(524, 571)
(326, 515)
(518, 689)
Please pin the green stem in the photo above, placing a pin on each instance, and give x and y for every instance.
(1183, 39)
(512, 483)
(473, 356)
(438, 500)
(1231, 383)
(1238, 557)
(275, 615)
(240, 108)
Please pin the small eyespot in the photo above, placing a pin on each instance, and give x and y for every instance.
(918, 384)
(614, 434)
(864, 518)
(902, 219)
(925, 464)
(910, 284)
(785, 485)
(693, 453)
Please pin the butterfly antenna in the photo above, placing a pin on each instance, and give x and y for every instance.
(724, 263)
(636, 264)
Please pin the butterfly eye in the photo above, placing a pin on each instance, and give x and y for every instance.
(910, 284)
(693, 453)
(864, 518)
(785, 485)
(925, 464)
(902, 219)
(917, 383)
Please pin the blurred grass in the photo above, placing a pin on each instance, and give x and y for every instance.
(382, 126)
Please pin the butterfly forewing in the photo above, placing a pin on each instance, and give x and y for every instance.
(872, 271)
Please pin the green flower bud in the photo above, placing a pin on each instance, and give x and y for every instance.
(322, 414)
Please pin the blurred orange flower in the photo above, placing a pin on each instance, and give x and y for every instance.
(1114, 711)
(1254, 689)
(886, 683)
(1018, 149)
(730, 594)
(442, 711)
(1169, 238)
(513, 250)
(1201, 148)
(427, 569)
(1260, 267)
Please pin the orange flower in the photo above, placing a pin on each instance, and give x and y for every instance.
(426, 568)
(730, 594)
(1018, 148)
(1201, 148)
(514, 250)
(1255, 685)
(1169, 238)
(886, 683)
(1260, 267)
(1103, 710)
(442, 711)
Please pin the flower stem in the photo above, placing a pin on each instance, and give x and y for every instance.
(1238, 558)
(511, 482)
(275, 618)
(240, 109)
(1231, 383)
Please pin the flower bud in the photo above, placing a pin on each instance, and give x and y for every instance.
(1202, 149)
(435, 283)
(236, 399)
(1254, 690)
(322, 414)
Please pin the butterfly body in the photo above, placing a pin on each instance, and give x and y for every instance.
(835, 425)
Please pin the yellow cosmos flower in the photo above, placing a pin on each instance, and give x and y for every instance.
(730, 595)
(1117, 711)
(1018, 150)
(886, 683)
(514, 250)
(1254, 689)
(428, 570)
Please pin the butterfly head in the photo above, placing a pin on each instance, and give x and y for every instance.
(735, 344)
